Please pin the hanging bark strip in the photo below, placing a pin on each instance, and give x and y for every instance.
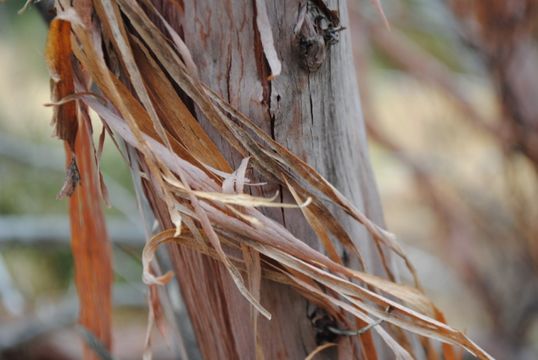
(89, 240)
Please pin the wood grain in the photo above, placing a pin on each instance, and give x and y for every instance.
(317, 116)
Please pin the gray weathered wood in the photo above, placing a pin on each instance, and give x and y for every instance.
(317, 116)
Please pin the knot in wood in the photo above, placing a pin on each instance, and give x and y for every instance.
(316, 30)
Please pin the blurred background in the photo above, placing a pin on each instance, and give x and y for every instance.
(450, 97)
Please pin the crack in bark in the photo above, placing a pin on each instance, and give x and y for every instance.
(228, 72)
(263, 72)
(311, 103)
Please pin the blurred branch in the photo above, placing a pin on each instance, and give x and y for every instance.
(52, 158)
(36, 156)
(503, 33)
(21, 332)
(12, 299)
(31, 230)
(428, 69)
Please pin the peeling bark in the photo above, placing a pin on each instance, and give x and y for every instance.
(317, 115)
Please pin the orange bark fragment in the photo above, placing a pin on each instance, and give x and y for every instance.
(90, 245)
(89, 241)
(58, 55)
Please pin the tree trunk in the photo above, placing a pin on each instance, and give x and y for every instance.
(317, 115)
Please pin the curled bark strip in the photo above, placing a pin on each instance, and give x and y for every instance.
(266, 37)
